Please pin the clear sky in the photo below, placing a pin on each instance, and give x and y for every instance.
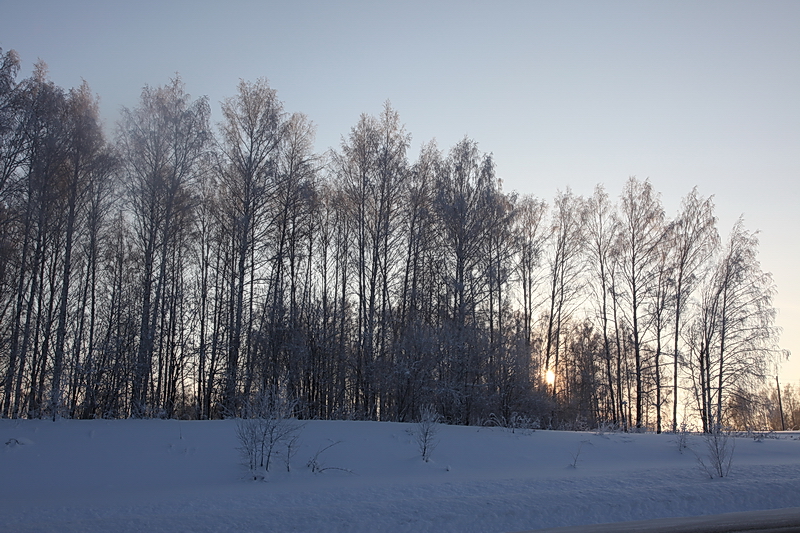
(565, 94)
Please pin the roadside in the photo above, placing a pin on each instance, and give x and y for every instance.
(773, 520)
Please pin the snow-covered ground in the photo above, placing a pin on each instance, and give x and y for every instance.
(169, 475)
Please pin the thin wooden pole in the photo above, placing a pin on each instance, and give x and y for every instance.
(780, 404)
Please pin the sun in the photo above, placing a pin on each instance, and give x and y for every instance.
(550, 377)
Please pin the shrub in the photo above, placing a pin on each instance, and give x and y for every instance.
(265, 427)
(720, 446)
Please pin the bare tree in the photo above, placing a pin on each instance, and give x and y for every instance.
(372, 169)
(86, 159)
(564, 263)
(251, 135)
(291, 234)
(660, 300)
(100, 198)
(12, 151)
(162, 142)
(417, 317)
(641, 220)
(38, 208)
(601, 231)
(694, 237)
(466, 192)
(531, 234)
(735, 334)
(12, 119)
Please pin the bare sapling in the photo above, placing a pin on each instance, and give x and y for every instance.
(720, 446)
(425, 430)
(682, 436)
(317, 466)
(577, 453)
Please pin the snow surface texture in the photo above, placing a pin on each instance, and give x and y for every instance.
(169, 475)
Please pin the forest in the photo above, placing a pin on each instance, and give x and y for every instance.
(183, 266)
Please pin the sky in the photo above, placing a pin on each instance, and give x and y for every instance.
(563, 94)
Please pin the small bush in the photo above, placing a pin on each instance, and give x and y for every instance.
(604, 427)
(682, 437)
(264, 429)
(515, 422)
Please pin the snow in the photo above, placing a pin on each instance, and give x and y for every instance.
(170, 475)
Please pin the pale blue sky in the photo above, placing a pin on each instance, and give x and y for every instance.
(563, 93)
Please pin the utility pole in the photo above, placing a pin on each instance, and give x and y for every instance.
(780, 404)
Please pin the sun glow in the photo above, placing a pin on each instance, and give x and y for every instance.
(550, 377)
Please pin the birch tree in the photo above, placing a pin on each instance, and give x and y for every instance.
(736, 336)
(250, 140)
(162, 142)
(564, 264)
(641, 220)
(694, 238)
(601, 228)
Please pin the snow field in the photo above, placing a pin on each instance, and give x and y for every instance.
(169, 475)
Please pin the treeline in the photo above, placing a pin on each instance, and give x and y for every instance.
(776, 407)
(180, 270)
